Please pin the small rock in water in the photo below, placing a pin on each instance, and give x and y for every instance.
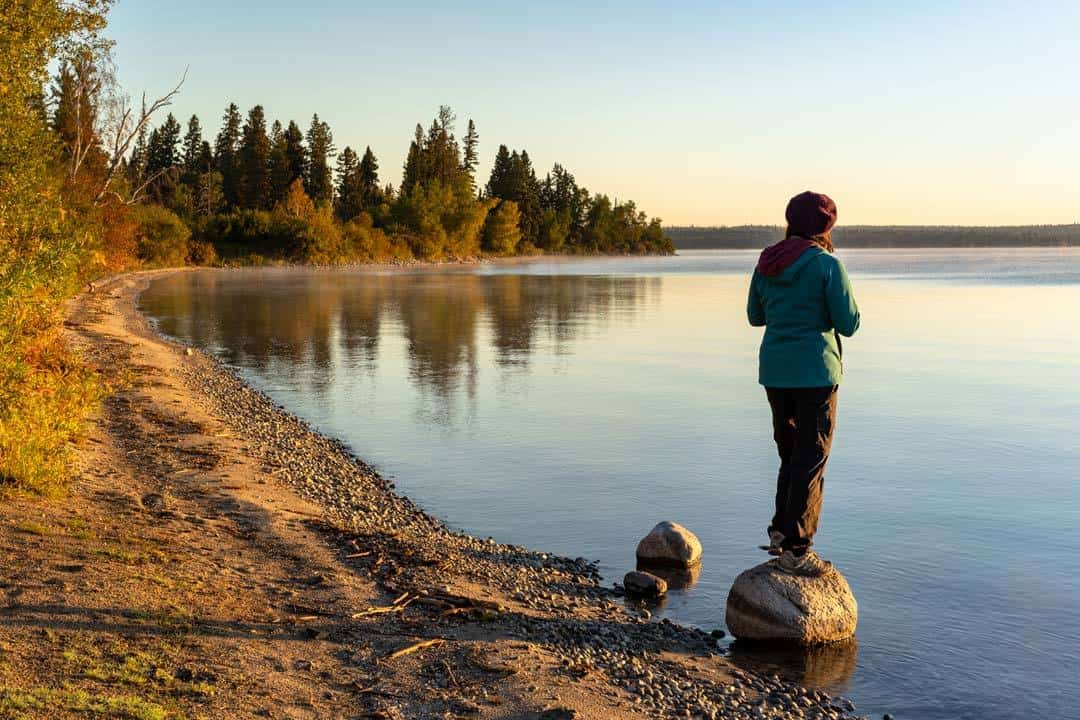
(671, 544)
(644, 584)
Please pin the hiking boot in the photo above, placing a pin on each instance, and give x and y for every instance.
(776, 539)
(808, 565)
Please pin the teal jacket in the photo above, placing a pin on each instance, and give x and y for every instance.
(800, 308)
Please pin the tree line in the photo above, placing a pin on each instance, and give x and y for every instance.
(258, 191)
(884, 236)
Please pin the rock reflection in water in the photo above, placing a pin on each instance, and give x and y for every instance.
(828, 667)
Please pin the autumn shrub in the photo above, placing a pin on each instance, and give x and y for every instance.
(501, 233)
(162, 236)
(319, 240)
(201, 252)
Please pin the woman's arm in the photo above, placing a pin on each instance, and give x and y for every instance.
(755, 311)
(840, 300)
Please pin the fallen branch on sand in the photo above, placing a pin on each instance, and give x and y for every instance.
(413, 648)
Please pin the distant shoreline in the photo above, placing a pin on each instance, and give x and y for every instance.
(740, 237)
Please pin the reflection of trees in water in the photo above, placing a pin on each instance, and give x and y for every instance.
(307, 325)
(522, 306)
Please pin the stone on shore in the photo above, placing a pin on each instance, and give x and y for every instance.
(644, 584)
(767, 604)
(670, 544)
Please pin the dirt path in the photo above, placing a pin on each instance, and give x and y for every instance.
(216, 559)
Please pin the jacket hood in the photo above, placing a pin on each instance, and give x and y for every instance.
(782, 261)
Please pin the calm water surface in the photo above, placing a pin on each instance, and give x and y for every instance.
(569, 405)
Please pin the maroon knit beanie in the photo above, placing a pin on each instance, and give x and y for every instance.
(810, 214)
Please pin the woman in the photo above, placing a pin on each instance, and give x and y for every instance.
(802, 295)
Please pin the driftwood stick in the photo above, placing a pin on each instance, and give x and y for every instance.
(413, 648)
(396, 607)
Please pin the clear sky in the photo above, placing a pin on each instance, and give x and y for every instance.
(702, 112)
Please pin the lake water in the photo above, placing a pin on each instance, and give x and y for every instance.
(569, 405)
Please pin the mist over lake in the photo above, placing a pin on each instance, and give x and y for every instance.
(569, 405)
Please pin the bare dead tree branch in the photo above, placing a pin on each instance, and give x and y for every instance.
(123, 134)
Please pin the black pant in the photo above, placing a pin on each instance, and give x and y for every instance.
(803, 424)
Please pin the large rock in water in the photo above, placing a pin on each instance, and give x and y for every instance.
(670, 544)
(767, 604)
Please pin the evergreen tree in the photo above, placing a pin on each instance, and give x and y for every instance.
(499, 184)
(205, 162)
(75, 115)
(369, 179)
(472, 142)
(526, 192)
(349, 196)
(254, 162)
(514, 178)
(225, 154)
(163, 160)
(193, 147)
(280, 176)
(295, 153)
(161, 152)
(319, 182)
(414, 171)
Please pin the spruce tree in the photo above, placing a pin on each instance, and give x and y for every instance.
(414, 162)
(163, 160)
(472, 143)
(295, 152)
(192, 147)
(280, 176)
(499, 184)
(349, 195)
(369, 179)
(225, 155)
(526, 192)
(254, 162)
(162, 149)
(319, 183)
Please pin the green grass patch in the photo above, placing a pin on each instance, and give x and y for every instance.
(30, 527)
(79, 529)
(17, 704)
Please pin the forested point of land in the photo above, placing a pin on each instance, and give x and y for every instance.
(261, 193)
(883, 236)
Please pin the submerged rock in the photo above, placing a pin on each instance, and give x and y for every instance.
(767, 604)
(677, 578)
(670, 544)
(644, 584)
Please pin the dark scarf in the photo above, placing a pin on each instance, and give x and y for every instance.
(777, 258)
